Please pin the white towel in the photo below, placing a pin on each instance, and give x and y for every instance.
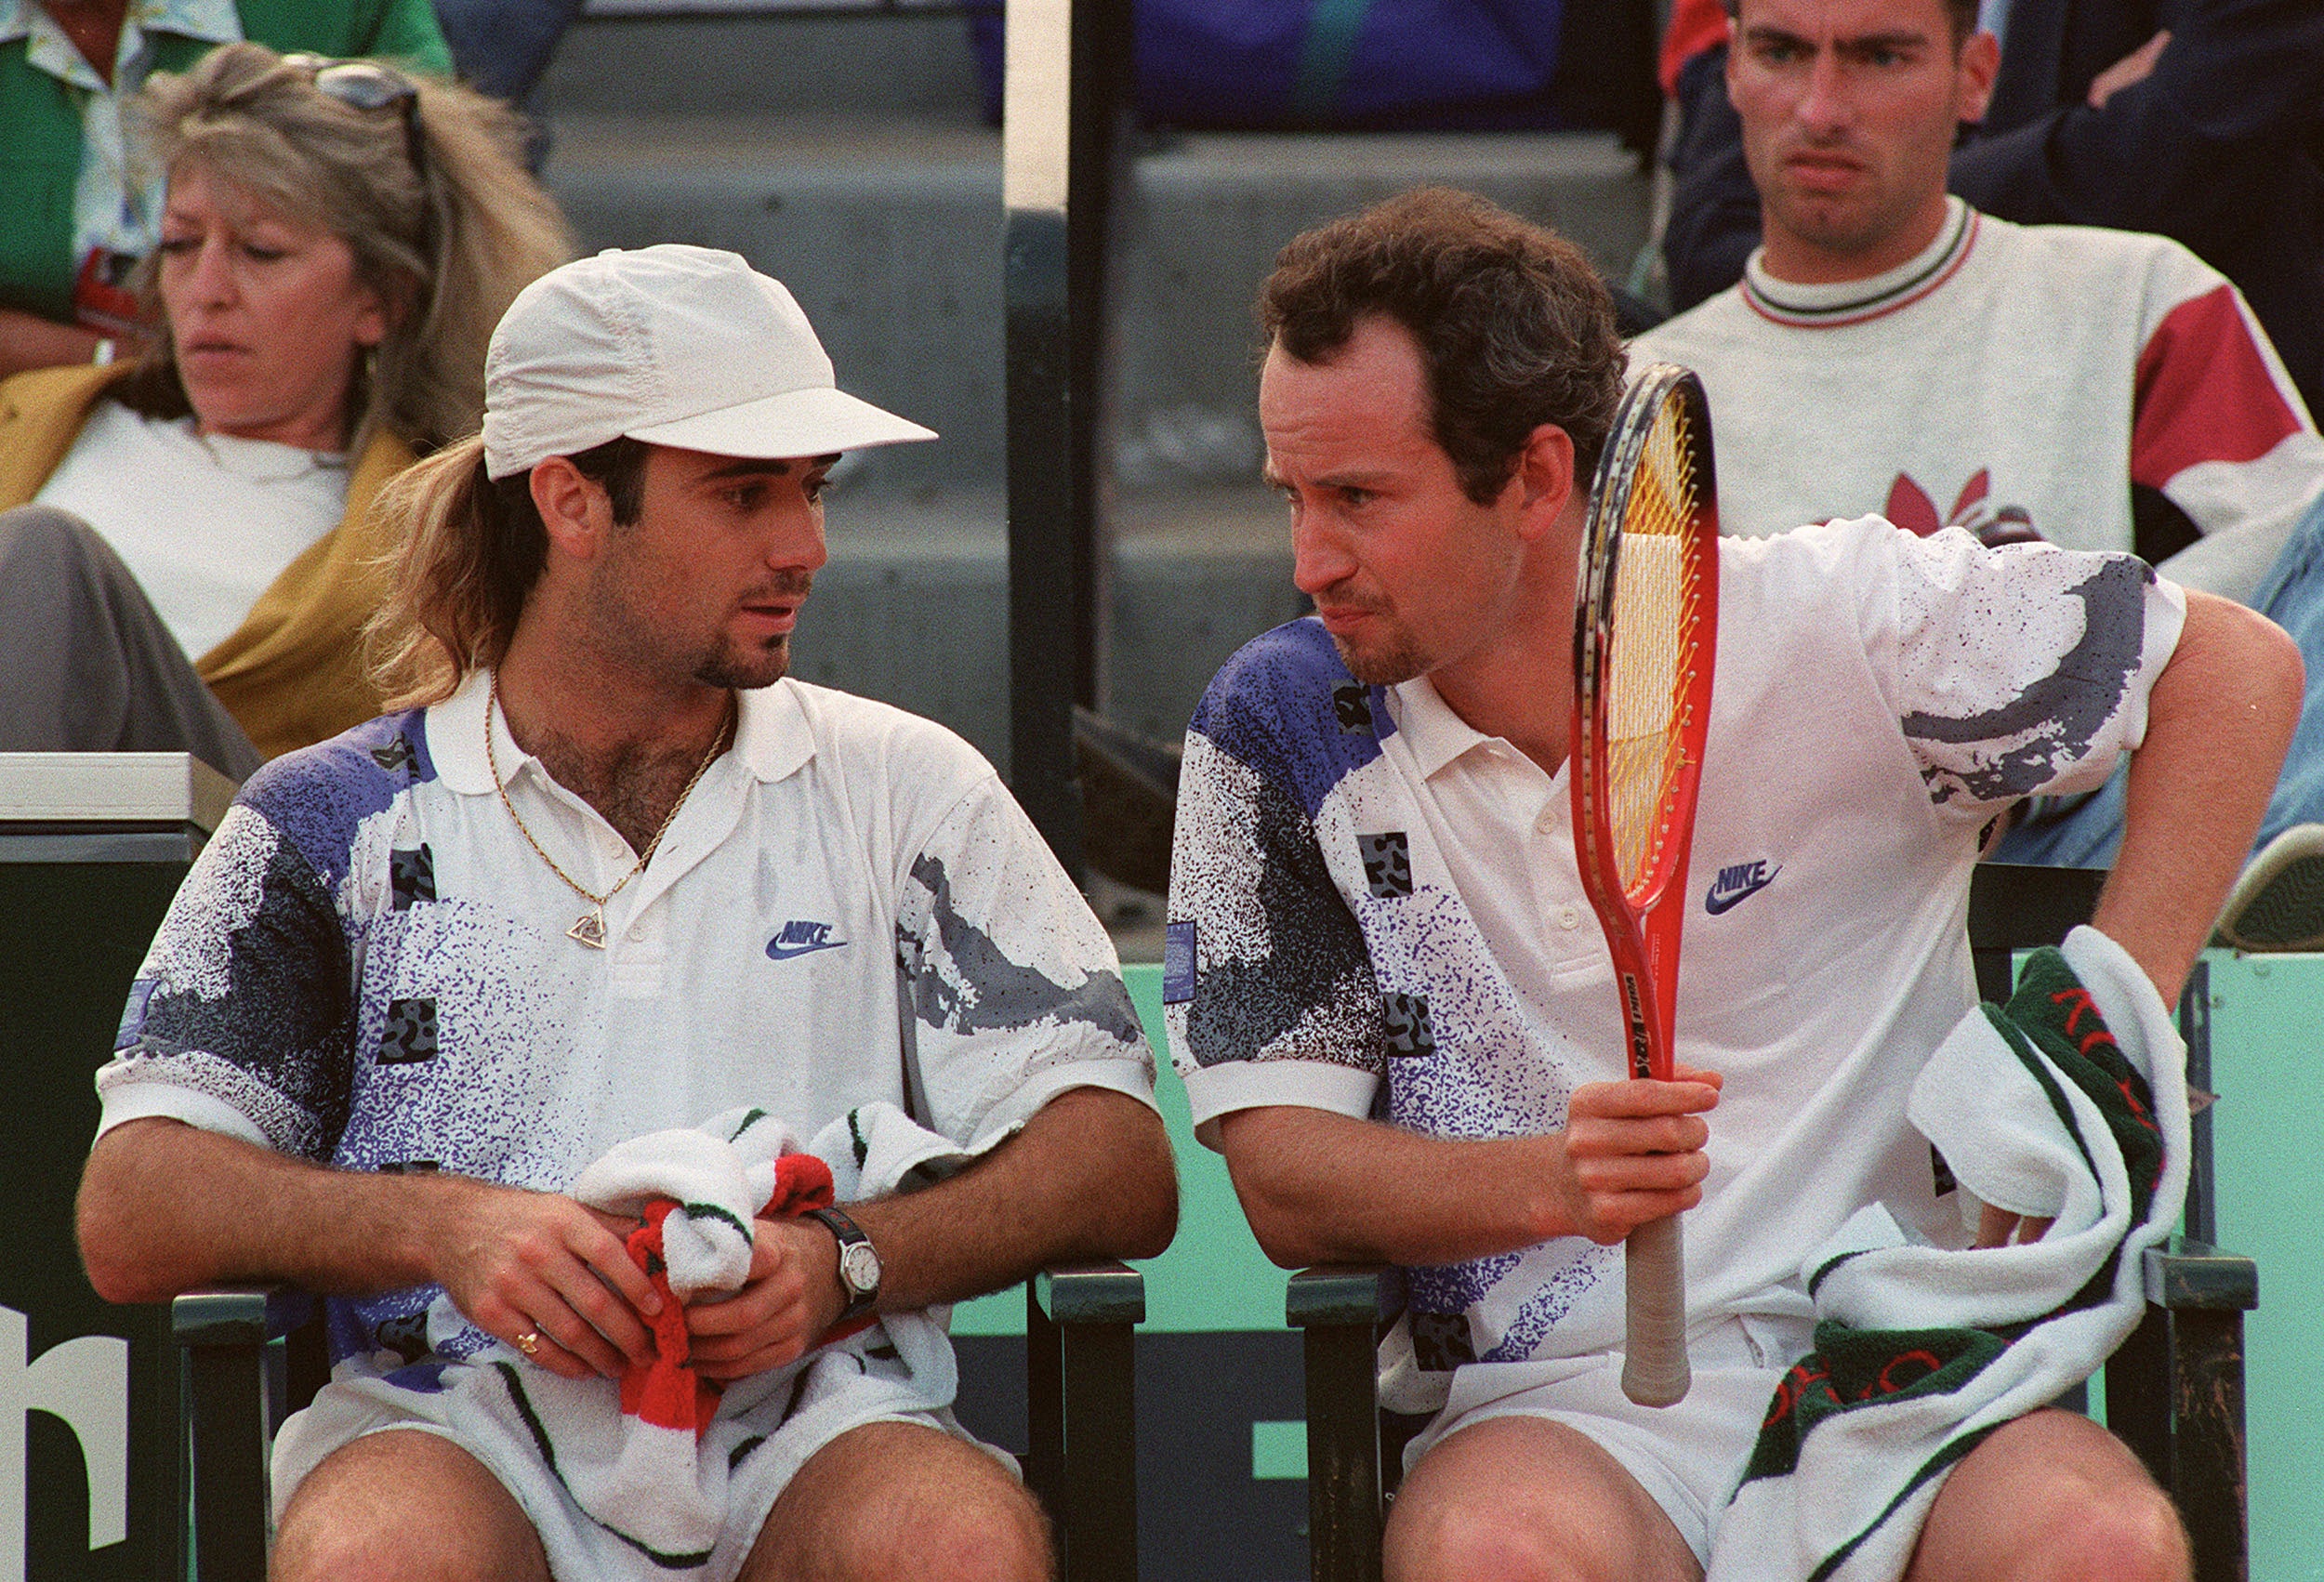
(2072, 1105)
(611, 1493)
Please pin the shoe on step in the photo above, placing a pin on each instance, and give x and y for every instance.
(2278, 903)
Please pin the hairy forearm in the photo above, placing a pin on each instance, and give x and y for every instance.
(165, 1207)
(2219, 719)
(1325, 1188)
(1088, 1177)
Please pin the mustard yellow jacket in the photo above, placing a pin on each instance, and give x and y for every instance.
(292, 672)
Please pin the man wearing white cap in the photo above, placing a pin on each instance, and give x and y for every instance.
(609, 875)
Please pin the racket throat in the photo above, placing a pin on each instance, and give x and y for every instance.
(1636, 1017)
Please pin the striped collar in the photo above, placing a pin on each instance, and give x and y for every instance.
(1857, 302)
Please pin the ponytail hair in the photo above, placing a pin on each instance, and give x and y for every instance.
(470, 550)
(459, 578)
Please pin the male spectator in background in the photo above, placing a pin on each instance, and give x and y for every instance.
(373, 1046)
(2199, 120)
(1397, 1018)
(1892, 350)
(79, 215)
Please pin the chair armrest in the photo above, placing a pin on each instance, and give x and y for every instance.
(1333, 1294)
(1340, 1309)
(1081, 1412)
(222, 1337)
(2175, 1394)
(231, 1316)
(1091, 1293)
(2186, 1276)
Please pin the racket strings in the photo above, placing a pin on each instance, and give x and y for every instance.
(1659, 605)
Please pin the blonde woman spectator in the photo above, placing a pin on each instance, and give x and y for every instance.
(80, 215)
(193, 560)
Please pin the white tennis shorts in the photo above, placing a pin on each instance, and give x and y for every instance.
(1688, 1456)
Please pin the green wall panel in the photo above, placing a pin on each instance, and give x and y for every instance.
(2267, 1041)
(1214, 1277)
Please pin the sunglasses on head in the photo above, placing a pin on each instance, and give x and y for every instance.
(365, 84)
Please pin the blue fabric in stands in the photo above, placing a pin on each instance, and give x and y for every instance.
(1371, 64)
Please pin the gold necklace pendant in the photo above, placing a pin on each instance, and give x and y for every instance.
(590, 928)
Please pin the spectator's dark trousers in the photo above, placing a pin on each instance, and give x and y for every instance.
(89, 666)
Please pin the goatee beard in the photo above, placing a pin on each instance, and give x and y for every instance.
(735, 674)
(1380, 668)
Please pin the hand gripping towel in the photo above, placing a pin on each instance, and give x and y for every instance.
(661, 1475)
(692, 1243)
(2070, 1104)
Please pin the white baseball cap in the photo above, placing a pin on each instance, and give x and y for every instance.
(673, 345)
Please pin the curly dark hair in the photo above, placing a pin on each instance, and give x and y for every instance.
(1514, 327)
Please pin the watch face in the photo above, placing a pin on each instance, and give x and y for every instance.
(859, 1266)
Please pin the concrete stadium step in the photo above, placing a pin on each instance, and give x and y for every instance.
(845, 155)
(890, 233)
(913, 605)
(750, 60)
(1208, 212)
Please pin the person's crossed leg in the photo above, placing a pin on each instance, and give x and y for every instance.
(887, 1500)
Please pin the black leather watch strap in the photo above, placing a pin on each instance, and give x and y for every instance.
(859, 1270)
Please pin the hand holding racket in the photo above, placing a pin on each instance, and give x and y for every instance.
(1645, 633)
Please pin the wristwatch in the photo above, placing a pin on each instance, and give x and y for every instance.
(859, 1262)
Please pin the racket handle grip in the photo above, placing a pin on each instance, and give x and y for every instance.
(1654, 1367)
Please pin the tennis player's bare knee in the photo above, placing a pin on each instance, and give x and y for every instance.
(2053, 1497)
(2118, 1534)
(407, 1506)
(898, 1499)
(1530, 1500)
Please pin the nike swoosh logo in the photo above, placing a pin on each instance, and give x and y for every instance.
(1715, 903)
(778, 951)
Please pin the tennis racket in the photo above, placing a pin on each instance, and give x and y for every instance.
(1646, 632)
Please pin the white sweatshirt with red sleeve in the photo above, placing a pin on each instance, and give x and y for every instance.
(2009, 375)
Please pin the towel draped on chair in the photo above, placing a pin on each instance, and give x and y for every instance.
(2070, 1105)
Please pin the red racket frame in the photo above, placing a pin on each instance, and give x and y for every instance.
(1644, 921)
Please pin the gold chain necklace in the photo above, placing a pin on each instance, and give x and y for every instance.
(590, 928)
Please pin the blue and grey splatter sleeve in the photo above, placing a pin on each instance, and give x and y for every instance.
(2024, 671)
(242, 1019)
(1010, 991)
(1268, 984)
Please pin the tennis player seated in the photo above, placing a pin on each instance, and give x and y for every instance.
(1396, 1017)
(633, 1041)
(1891, 348)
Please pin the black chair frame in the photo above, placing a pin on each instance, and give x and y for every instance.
(1081, 1463)
(2174, 1389)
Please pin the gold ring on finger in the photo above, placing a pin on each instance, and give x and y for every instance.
(529, 1343)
